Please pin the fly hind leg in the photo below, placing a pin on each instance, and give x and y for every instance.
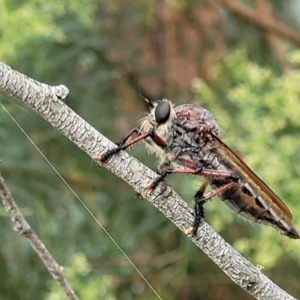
(198, 209)
(200, 199)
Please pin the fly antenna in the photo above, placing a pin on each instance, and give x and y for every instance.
(147, 100)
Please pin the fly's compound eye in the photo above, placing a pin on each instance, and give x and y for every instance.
(162, 112)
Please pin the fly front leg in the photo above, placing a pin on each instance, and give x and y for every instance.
(124, 144)
(200, 199)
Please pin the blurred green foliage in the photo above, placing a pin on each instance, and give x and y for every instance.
(107, 52)
(86, 285)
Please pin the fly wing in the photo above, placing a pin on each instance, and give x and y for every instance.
(231, 158)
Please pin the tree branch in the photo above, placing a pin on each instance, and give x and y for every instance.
(265, 23)
(45, 100)
(23, 229)
(264, 9)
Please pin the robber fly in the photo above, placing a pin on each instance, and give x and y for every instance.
(186, 139)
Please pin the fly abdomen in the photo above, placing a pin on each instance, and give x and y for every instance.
(256, 208)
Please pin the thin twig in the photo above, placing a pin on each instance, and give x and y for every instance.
(265, 23)
(45, 100)
(22, 227)
(264, 9)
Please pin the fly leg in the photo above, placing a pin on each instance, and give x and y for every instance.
(164, 171)
(200, 199)
(198, 209)
(124, 144)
